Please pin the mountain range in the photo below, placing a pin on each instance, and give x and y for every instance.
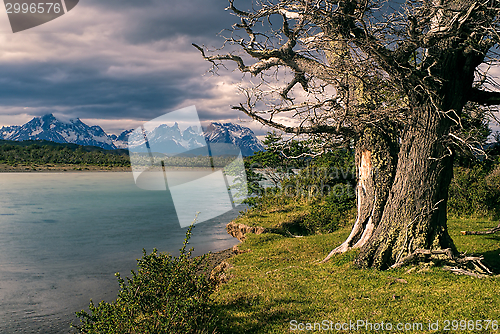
(51, 128)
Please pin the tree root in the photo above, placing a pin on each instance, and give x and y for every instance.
(460, 265)
(490, 231)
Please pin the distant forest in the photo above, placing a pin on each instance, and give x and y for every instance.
(42, 152)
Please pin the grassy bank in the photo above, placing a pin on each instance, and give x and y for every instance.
(280, 280)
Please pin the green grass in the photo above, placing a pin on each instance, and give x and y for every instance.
(276, 217)
(297, 216)
(280, 280)
(485, 245)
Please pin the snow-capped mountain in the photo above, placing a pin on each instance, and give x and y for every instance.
(50, 128)
(121, 141)
(170, 138)
(235, 134)
(173, 140)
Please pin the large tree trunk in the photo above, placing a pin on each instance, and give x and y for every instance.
(414, 216)
(375, 158)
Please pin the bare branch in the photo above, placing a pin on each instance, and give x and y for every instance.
(484, 97)
(490, 231)
(314, 129)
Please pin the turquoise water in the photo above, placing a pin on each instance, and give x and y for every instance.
(64, 235)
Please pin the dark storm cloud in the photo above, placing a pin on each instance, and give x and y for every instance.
(154, 20)
(118, 59)
(88, 90)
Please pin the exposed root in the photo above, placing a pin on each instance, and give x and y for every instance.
(460, 265)
(339, 250)
(357, 232)
(490, 231)
(419, 253)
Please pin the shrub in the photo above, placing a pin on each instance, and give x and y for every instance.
(475, 192)
(270, 198)
(324, 188)
(166, 295)
(329, 214)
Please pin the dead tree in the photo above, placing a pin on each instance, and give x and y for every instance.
(395, 78)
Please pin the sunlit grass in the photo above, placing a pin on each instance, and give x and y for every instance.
(280, 280)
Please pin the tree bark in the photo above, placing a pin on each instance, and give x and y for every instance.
(414, 216)
(401, 197)
(375, 158)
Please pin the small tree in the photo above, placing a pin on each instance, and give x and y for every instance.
(280, 157)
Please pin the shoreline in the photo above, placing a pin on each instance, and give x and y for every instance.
(79, 169)
(238, 232)
(59, 168)
(216, 258)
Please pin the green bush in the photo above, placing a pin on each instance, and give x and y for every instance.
(270, 198)
(329, 214)
(325, 187)
(166, 295)
(475, 192)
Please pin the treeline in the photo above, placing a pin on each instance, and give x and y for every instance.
(45, 153)
(40, 153)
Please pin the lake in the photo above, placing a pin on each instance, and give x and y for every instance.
(63, 236)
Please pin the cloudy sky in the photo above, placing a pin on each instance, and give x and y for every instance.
(117, 63)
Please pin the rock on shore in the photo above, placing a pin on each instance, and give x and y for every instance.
(240, 230)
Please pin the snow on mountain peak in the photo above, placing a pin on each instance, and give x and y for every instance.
(60, 130)
(64, 119)
(236, 134)
(63, 129)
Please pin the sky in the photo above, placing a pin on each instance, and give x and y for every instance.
(118, 63)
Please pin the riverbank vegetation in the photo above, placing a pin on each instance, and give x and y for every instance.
(45, 155)
(166, 294)
(280, 279)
